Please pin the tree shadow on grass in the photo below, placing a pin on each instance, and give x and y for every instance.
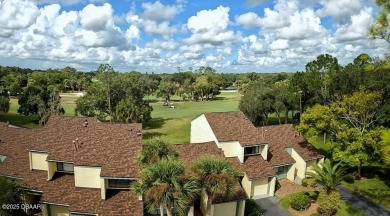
(155, 123)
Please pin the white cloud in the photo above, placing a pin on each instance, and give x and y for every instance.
(17, 14)
(279, 45)
(96, 18)
(249, 20)
(340, 10)
(357, 29)
(159, 12)
(210, 27)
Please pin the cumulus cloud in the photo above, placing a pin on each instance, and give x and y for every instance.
(210, 27)
(17, 14)
(357, 29)
(340, 10)
(95, 18)
(159, 12)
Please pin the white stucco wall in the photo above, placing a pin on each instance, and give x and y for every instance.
(38, 161)
(247, 186)
(300, 164)
(88, 177)
(232, 149)
(103, 188)
(264, 151)
(228, 209)
(201, 130)
(291, 173)
(260, 186)
(272, 186)
(52, 168)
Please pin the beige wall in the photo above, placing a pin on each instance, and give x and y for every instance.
(59, 210)
(232, 149)
(272, 186)
(228, 209)
(201, 130)
(247, 185)
(264, 151)
(103, 187)
(38, 161)
(88, 177)
(260, 186)
(291, 173)
(52, 168)
(300, 164)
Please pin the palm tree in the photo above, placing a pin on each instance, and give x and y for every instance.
(154, 150)
(11, 191)
(164, 185)
(217, 178)
(327, 174)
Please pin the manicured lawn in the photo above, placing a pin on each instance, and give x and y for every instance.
(343, 208)
(374, 188)
(174, 124)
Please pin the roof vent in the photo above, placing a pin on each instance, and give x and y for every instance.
(74, 144)
(85, 123)
(139, 133)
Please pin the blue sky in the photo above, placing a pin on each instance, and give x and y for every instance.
(159, 36)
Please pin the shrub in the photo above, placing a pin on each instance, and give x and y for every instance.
(251, 208)
(300, 201)
(349, 178)
(304, 182)
(328, 203)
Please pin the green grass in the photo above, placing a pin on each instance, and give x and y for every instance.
(374, 188)
(174, 124)
(344, 208)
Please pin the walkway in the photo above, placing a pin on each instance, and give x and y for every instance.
(363, 204)
(270, 207)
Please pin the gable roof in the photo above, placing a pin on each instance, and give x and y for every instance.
(234, 126)
(280, 137)
(111, 146)
(53, 138)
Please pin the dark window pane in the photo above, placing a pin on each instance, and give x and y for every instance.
(60, 166)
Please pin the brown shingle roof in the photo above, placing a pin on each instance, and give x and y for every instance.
(114, 147)
(87, 200)
(106, 145)
(233, 126)
(280, 137)
(254, 167)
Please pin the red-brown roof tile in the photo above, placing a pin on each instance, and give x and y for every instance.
(280, 137)
(234, 126)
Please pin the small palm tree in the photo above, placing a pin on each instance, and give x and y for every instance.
(155, 150)
(327, 174)
(164, 185)
(217, 178)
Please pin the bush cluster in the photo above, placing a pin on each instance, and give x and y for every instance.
(251, 208)
(300, 201)
(328, 203)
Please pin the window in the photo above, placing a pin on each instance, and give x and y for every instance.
(119, 183)
(252, 150)
(64, 167)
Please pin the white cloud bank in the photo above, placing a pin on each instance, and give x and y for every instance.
(40, 34)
